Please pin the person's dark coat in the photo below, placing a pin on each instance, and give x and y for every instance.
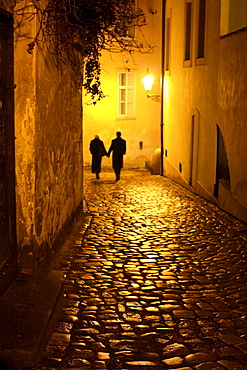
(97, 149)
(118, 149)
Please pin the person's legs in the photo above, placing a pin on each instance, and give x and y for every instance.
(98, 168)
(117, 172)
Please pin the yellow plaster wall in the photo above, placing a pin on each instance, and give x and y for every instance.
(232, 100)
(145, 125)
(191, 88)
(213, 88)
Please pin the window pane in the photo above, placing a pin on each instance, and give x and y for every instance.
(130, 109)
(131, 79)
(122, 95)
(131, 32)
(126, 94)
(122, 109)
(130, 95)
(167, 44)
(188, 31)
(122, 79)
(130, 102)
(201, 30)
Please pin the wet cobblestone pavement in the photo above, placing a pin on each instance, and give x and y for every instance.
(157, 280)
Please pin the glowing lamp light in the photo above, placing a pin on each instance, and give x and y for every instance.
(148, 82)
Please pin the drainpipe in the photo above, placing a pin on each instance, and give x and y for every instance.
(162, 88)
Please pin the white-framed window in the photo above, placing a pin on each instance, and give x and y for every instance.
(126, 94)
(127, 27)
(128, 32)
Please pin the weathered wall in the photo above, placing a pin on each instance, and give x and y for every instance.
(58, 150)
(25, 110)
(8, 255)
(48, 111)
(232, 100)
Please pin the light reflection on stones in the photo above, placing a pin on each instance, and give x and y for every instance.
(159, 281)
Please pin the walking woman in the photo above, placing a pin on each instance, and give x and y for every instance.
(97, 149)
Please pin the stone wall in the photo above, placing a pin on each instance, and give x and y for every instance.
(49, 171)
(232, 100)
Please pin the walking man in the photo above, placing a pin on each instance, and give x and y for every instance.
(118, 149)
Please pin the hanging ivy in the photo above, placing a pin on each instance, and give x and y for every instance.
(77, 31)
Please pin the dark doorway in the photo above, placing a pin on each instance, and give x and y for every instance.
(194, 149)
(222, 169)
(7, 168)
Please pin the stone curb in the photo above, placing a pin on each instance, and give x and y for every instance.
(26, 310)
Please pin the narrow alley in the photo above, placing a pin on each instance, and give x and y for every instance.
(157, 280)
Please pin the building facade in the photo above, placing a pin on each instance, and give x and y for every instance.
(41, 146)
(205, 100)
(202, 57)
(126, 107)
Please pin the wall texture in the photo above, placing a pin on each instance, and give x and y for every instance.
(49, 168)
(232, 100)
(204, 96)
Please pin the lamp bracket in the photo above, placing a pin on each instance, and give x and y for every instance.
(154, 97)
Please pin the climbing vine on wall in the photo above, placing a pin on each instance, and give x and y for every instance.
(77, 31)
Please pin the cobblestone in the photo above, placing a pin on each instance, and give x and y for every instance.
(157, 280)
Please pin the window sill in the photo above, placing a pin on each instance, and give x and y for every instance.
(124, 118)
(200, 61)
(187, 64)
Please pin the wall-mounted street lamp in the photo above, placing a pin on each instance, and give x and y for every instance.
(148, 81)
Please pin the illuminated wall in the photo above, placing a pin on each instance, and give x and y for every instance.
(191, 97)
(141, 129)
(205, 104)
(232, 113)
(49, 165)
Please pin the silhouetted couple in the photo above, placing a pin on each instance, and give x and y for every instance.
(118, 149)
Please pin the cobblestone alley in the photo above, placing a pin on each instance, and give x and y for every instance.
(157, 280)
